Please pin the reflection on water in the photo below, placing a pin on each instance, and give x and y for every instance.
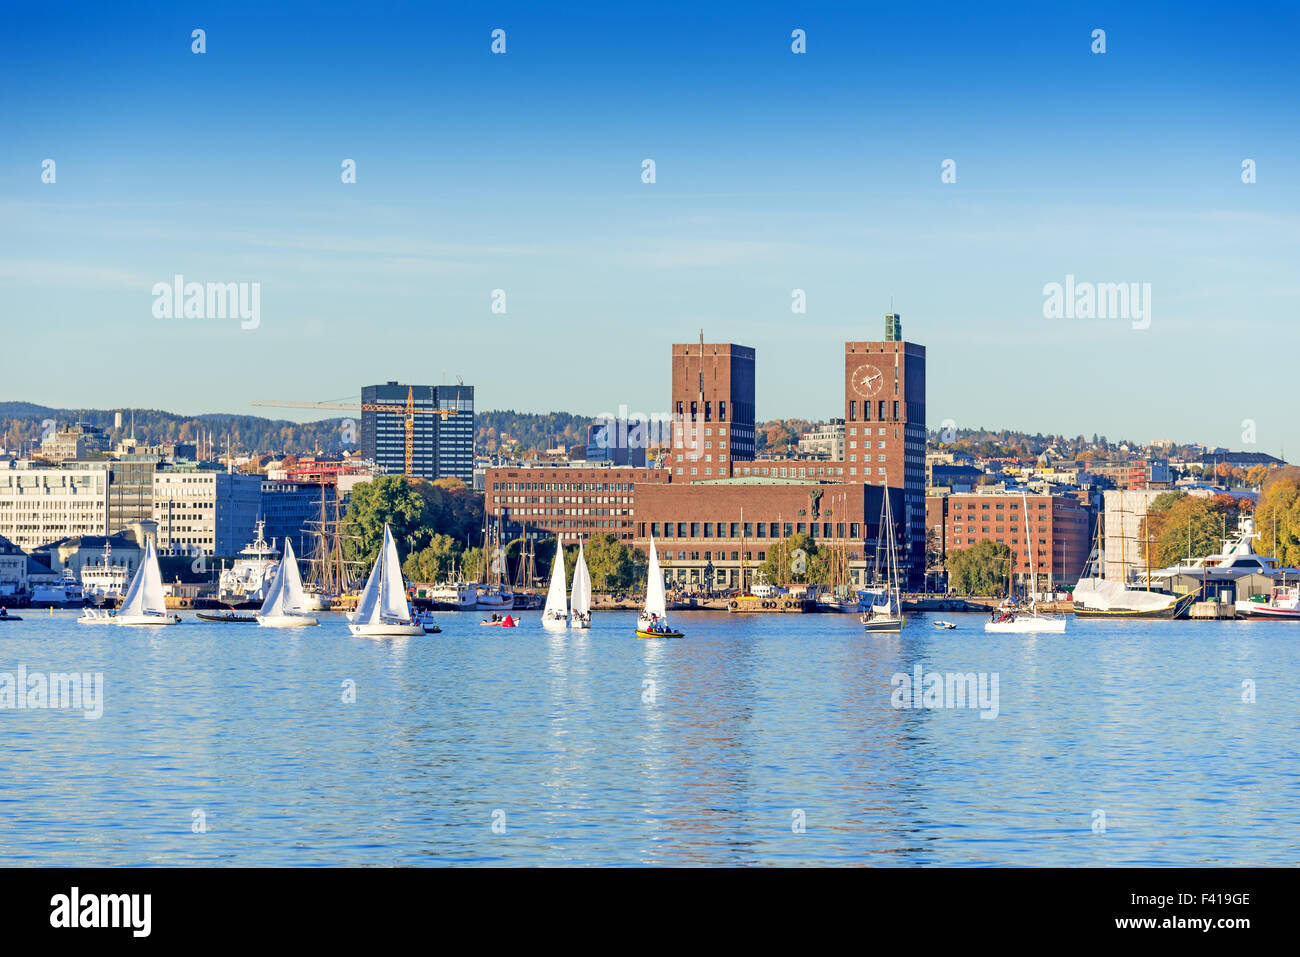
(592, 747)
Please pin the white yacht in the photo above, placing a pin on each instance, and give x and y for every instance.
(1237, 559)
(580, 600)
(247, 582)
(144, 603)
(454, 596)
(66, 592)
(556, 613)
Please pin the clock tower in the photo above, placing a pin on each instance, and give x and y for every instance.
(884, 430)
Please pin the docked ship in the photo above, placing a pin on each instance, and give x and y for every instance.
(331, 579)
(454, 596)
(66, 592)
(495, 595)
(104, 583)
(246, 582)
(1097, 597)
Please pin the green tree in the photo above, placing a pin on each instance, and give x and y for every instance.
(391, 500)
(433, 563)
(981, 569)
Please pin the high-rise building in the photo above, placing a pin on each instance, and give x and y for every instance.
(884, 425)
(712, 407)
(442, 446)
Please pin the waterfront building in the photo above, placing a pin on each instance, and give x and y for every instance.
(13, 568)
(884, 416)
(573, 501)
(41, 504)
(714, 530)
(204, 511)
(1059, 530)
(124, 549)
(712, 406)
(443, 446)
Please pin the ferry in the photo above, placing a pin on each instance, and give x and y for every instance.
(454, 596)
(104, 583)
(245, 583)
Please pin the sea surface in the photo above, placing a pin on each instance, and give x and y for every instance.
(771, 740)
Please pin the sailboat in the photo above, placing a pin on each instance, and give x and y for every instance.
(885, 605)
(382, 610)
(143, 603)
(556, 612)
(653, 622)
(580, 598)
(1030, 621)
(286, 603)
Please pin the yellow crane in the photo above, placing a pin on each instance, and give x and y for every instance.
(408, 411)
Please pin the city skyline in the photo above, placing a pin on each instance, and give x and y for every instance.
(775, 172)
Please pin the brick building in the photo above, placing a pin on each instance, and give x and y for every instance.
(712, 408)
(1058, 525)
(728, 524)
(574, 502)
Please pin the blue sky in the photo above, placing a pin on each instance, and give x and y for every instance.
(775, 172)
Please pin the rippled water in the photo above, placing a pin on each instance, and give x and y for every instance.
(748, 722)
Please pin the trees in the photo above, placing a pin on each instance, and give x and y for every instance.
(981, 569)
(1188, 526)
(434, 562)
(1277, 515)
(422, 515)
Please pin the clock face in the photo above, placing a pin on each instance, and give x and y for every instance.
(867, 380)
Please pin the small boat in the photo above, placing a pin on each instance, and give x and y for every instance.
(1282, 603)
(426, 622)
(286, 603)
(944, 624)
(226, 617)
(555, 616)
(653, 622)
(5, 616)
(143, 603)
(506, 622)
(580, 598)
(382, 610)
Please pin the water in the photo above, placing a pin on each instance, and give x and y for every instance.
(749, 721)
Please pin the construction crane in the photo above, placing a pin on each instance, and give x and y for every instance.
(408, 411)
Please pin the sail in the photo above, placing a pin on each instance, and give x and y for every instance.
(274, 602)
(384, 598)
(145, 596)
(1094, 594)
(286, 595)
(655, 601)
(555, 602)
(581, 601)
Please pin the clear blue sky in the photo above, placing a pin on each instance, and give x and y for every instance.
(775, 171)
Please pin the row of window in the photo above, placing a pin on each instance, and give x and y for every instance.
(754, 529)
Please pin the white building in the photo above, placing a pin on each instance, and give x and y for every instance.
(824, 441)
(198, 510)
(40, 505)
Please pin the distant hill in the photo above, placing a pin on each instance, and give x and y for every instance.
(21, 425)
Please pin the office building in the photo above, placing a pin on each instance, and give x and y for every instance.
(442, 445)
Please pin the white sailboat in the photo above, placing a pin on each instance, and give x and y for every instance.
(1031, 622)
(286, 602)
(885, 605)
(382, 610)
(556, 613)
(143, 603)
(653, 622)
(580, 599)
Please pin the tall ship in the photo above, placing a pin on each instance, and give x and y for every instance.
(1097, 597)
(330, 576)
(247, 581)
(104, 582)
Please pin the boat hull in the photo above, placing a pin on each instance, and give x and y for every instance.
(884, 625)
(659, 634)
(385, 630)
(229, 619)
(555, 624)
(1175, 609)
(286, 621)
(146, 620)
(1280, 614)
(1023, 626)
